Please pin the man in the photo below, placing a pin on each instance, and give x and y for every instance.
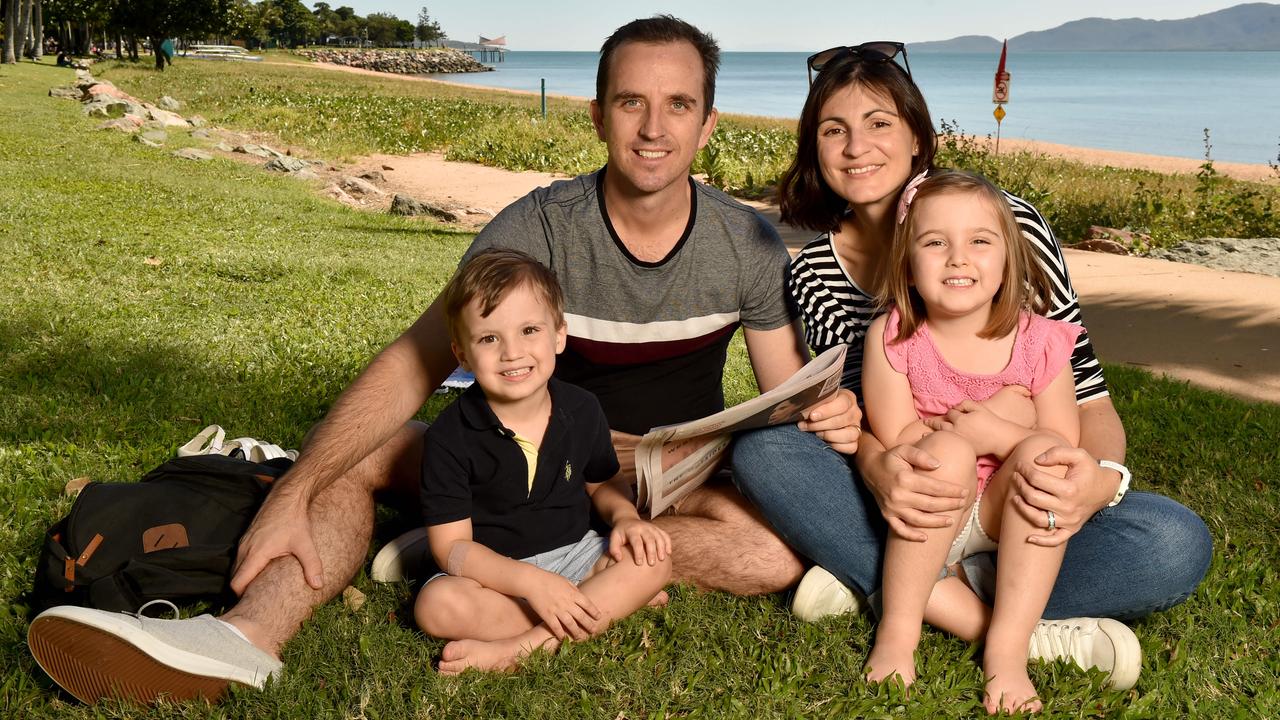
(658, 272)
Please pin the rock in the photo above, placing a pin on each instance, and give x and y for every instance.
(126, 124)
(147, 141)
(337, 193)
(1129, 240)
(275, 153)
(288, 165)
(152, 125)
(305, 174)
(196, 121)
(481, 211)
(168, 103)
(358, 186)
(256, 150)
(372, 176)
(192, 154)
(155, 136)
(201, 134)
(169, 119)
(1101, 245)
(83, 76)
(223, 147)
(387, 167)
(106, 108)
(405, 205)
(66, 93)
(403, 62)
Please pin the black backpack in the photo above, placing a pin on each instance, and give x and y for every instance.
(172, 536)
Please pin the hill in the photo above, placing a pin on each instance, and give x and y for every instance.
(1254, 26)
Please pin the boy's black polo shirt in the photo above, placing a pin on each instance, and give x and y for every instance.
(473, 468)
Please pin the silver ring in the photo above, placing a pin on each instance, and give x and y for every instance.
(1053, 520)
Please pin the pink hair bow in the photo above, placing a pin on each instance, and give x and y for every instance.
(909, 194)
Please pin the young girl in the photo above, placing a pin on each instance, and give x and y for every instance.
(949, 368)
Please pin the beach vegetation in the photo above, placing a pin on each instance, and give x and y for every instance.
(144, 297)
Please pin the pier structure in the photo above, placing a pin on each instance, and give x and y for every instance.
(486, 51)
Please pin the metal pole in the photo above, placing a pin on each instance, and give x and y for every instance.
(544, 98)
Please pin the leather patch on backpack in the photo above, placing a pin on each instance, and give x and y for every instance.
(165, 537)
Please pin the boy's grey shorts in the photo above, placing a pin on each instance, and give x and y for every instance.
(571, 562)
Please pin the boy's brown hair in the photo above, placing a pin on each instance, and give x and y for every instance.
(1023, 285)
(488, 276)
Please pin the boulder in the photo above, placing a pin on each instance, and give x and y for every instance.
(66, 93)
(223, 147)
(126, 124)
(147, 141)
(196, 121)
(305, 173)
(168, 103)
(337, 193)
(403, 62)
(192, 154)
(169, 119)
(201, 134)
(155, 136)
(255, 150)
(361, 187)
(289, 165)
(405, 205)
(372, 176)
(107, 108)
(1114, 240)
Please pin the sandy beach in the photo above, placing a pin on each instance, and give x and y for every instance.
(1090, 156)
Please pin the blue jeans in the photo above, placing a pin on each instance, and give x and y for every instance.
(1146, 554)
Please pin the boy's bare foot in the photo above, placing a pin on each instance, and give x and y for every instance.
(502, 655)
(659, 600)
(1009, 689)
(887, 661)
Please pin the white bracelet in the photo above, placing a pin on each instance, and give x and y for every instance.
(1125, 477)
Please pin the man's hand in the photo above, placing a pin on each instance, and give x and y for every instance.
(649, 543)
(1086, 489)
(837, 420)
(624, 445)
(562, 606)
(908, 500)
(281, 528)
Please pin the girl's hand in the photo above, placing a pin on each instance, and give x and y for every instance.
(1013, 403)
(989, 434)
(908, 500)
(562, 606)
(649, 543)
(1073, 499)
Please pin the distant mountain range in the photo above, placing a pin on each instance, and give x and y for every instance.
(1255, 26)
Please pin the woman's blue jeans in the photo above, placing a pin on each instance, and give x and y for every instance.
(1146, 554)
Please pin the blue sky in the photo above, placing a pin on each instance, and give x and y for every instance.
(769, 24)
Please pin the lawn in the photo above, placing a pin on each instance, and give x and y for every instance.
(144, 296)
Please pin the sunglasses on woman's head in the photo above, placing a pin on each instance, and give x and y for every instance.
(877, 52)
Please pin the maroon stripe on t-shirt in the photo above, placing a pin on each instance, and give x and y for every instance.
(611, 353)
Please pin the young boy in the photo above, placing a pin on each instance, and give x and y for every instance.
(507, 473)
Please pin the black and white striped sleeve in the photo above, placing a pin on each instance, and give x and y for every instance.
(1065, 305)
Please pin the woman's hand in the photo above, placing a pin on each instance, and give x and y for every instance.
(837, 420)
(908, 500)
(1073, 500)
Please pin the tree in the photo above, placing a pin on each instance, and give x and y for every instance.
(385, 29)
(428, 30)
(297, 24)
(159, 20)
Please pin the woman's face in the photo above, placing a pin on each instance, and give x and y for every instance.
(865, 149)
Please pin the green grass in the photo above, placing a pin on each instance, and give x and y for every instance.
(266, 303)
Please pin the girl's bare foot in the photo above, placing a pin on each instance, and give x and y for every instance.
(886, 661)
(1009, 689)
(491, 655)
(659, 600)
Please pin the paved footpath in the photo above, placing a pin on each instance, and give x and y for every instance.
(1214, 328)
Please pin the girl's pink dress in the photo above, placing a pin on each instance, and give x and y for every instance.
(1041, 348)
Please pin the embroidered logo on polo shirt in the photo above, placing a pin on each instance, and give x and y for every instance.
(568, 471)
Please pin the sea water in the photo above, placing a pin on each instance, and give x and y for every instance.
(1149, 102)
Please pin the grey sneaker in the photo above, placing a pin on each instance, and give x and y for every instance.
(94, 654)
(1106, 644)
(403, 558)
(820, 595)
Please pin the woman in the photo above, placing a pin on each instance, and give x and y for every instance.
(865, 131)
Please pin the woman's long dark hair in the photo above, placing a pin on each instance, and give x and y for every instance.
(805, 198)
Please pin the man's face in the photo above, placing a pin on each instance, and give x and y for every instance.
(653, 117)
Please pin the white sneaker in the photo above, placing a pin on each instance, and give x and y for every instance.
(94, 654)
(820, 595)
(1108, 645)
(402, 558)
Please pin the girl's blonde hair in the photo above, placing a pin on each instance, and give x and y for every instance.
(1024, 284)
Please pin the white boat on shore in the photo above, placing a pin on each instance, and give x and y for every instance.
(219, 52)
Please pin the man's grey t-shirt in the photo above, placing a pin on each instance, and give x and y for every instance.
(649, 338)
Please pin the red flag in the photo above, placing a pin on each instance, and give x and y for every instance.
(1000, 94)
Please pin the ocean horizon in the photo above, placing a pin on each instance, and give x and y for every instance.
(1158, 103)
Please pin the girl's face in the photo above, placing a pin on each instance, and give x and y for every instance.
(865, 148)
(957, 255)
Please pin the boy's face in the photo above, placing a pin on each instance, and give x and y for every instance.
(512, 352)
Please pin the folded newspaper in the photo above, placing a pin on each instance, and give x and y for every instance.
(673, 460)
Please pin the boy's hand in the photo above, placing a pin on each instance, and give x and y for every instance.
(562, 606)
(649, 543)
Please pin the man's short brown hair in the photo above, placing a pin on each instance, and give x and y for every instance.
(488, 276)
